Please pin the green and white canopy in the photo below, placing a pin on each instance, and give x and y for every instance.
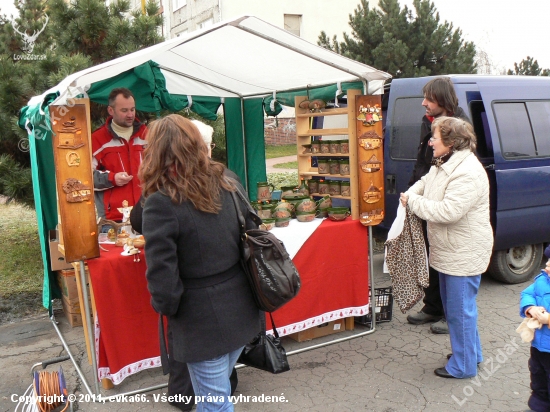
(246, 64)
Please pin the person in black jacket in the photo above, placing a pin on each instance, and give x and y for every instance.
(439, 100)
(192, 249)
(179, 381)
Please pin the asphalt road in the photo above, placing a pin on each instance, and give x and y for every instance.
(390, 370)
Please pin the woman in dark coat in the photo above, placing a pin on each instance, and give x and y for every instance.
(193, 260)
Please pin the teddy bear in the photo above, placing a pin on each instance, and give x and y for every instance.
(527, 329)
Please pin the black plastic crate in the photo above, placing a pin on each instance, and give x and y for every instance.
(384, 306)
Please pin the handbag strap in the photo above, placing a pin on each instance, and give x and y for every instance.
(272, 324)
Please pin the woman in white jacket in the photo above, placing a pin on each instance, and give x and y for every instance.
(454, 199)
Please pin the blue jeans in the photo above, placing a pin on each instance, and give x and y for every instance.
(458, 294)
(211, 379)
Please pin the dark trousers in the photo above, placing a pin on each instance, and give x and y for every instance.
(539, 366)
(432, 296)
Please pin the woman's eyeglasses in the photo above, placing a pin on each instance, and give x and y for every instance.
(433, 139)
(212, 146)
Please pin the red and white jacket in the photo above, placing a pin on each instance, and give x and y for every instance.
(113, 154)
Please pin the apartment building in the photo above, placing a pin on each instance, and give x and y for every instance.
(304, 18)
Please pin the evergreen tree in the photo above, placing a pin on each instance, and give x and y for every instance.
(393, 40)
(75, 36)
(528, 67)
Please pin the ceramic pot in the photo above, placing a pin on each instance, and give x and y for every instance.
(306, 205)
(267, 224)
(324, 202)
(305, 216)
(287, 190)
(284, 222)
(263, 193)
(294, 200)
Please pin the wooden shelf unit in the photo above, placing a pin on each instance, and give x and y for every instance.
(305, 134)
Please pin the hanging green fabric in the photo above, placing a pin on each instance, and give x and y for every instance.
(45, 195)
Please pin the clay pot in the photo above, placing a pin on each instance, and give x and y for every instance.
(306, 205)
(338, 213)
(324, 202)
(267, 224)
(284, 222)
(305, 216)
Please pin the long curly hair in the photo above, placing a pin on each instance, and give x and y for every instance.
(176, 162)
(456, 133)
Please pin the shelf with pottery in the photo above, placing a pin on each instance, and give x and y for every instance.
(304, 135)
(325, 154)
(332, 196)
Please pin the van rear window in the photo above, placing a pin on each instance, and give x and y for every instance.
(405, 128)
(524, 128)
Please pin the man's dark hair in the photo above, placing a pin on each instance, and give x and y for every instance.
(119, 90)
(441, 91)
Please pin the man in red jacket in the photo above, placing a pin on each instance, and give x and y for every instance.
(117, 152)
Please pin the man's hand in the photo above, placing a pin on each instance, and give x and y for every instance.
(404, 198)
(122, 178)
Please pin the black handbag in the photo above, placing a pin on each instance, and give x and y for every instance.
(270, 271)
(265, 352)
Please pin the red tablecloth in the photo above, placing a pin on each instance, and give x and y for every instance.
(333, 266)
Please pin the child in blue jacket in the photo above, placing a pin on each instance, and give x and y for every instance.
(535, 303)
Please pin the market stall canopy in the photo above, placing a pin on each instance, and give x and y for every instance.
(244, 57)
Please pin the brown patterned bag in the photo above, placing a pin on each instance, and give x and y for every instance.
(406, 260)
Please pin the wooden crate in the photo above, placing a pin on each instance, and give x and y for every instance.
(325, 329)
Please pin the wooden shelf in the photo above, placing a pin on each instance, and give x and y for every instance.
(332, 196)
(302, 173)
(323, 132)
(327, 112)
(324, 154)
(304, 132)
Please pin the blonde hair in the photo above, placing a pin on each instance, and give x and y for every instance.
(455, 132)
(176, 162)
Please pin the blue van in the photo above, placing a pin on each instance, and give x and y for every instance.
(511, 118)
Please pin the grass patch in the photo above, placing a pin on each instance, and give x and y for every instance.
(288, 165)
(280, 151)
(21, 268)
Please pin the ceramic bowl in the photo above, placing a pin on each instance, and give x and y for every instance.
(284, 222)
(338, 213)
(305, 216)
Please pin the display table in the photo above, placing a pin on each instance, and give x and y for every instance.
(333, 266)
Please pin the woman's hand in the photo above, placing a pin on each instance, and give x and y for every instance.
(404, 198)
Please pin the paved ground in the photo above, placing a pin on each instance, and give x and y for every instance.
(390, 370)
(278, 160)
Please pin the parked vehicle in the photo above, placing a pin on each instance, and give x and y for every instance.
(511, 118)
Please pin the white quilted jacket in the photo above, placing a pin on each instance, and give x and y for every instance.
(454, 200)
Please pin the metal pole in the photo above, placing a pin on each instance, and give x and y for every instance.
(73, 360)
(88, 323)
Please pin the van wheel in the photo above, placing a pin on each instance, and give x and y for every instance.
(516, 265)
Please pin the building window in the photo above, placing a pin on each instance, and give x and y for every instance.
(293, 22)
(178, 4)
(206, 23)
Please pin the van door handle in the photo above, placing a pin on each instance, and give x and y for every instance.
(489, 167)
(390, 184)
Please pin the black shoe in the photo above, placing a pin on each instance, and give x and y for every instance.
(421, 318)
(440, 327)
(442, 373)
(450, 354)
